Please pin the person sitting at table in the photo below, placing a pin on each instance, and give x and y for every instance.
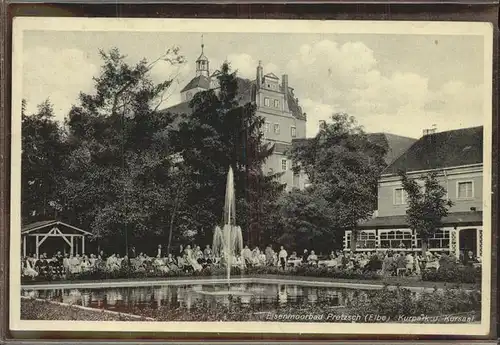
(470, 259)
(246, 254)
(305, 256)
(207, 252)
(198, 255)
(53, 267)
(432, 261)
(74, 264)
(262, 259)
(312, 259)
(28, 269)
(92, 261)
(293, 256)
(269, 256)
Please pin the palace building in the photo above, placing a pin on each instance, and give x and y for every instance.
(276, 103)
(457, 157)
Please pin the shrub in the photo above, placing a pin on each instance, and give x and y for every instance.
(400, 302)
(453, 273)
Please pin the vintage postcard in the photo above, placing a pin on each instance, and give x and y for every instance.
(178, 175)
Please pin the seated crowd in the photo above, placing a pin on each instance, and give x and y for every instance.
(190, 259)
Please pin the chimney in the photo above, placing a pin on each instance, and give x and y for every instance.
(284, 81)
(260, 74)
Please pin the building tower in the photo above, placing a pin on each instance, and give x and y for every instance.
(202, 63)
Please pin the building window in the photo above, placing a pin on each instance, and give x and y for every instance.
(189, 95)
(267, 102)
(277, 128)
(284, 165)
(296, 180)
(276, 103)
(396, 239)
(400, 196)
(440, 240)
(465, 190)
(293, 131)
(366, 240)
(266, 127)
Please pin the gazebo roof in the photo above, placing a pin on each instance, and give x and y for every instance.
(45, 224)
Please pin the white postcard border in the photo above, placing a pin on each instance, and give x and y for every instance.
(22, 24)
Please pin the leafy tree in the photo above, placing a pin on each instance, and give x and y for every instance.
(218, 133)
(343, 166)
(427, 205)
(306, 221)
(119, 180)
(43, 153)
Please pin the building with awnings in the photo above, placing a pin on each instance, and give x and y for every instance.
(457, 158)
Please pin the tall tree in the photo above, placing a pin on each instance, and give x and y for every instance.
(43, 153)
(343, 166)
(427, 205)
(218, 133)
(119, 180)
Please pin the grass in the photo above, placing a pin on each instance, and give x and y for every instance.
(32, 309)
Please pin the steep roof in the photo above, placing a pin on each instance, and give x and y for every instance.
(246, 92)
(199, 81)
(396, 144)
(441, 150)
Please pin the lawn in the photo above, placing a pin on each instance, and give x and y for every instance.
(32, 309)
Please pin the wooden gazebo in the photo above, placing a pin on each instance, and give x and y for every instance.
(42, 230)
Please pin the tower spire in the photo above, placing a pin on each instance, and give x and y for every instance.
(202, 64)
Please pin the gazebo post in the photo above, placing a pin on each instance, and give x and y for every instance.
(24, 246)
(37, 245)
(83, 245)
(71, 247)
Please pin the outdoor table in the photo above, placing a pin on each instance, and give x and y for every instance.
(295, 262)
(328, 263)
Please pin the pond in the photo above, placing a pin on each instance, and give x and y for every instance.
(258, 296)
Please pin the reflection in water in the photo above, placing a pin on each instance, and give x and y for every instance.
(185, 296)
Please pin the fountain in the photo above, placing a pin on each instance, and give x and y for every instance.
(228, 240)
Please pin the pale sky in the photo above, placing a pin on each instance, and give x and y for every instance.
(399, 84)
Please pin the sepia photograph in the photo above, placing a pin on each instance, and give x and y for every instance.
(277, 176)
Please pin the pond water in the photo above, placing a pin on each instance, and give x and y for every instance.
(258, 295)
